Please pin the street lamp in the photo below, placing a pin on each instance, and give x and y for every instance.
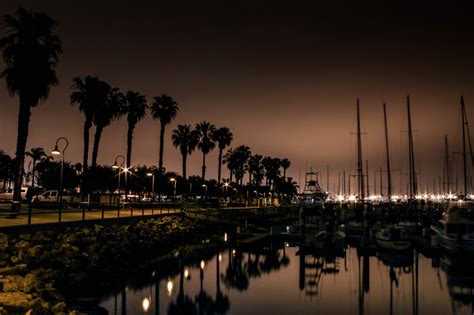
(56, 151)
(205, 189)
(152, 182)
(118, 167)
(172, 179)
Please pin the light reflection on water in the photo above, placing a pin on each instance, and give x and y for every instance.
(281, 282)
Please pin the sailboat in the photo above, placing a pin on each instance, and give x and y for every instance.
(455, 230)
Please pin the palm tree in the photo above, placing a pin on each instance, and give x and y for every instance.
(31, 52)
(135, 108)
(243, 154)
(206, 142)
(223, 137)
(185, 139)
(231, 160)
(87, 94)
(36, 154)
(255, 169)
(165, 109)
(109, 109)
(285, 164)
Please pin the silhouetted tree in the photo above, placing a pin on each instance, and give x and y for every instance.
(242, 154)
(185, 139)
(109, 109)
(7, 169)
(88, 94)
(31, 52)
(165, 109)
(285, 164)
(206, 142)
(255, 169)
(49, 175)
(36, 154)
(223, 137)
(135, 107)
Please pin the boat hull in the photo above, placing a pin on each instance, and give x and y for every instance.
(398, 245)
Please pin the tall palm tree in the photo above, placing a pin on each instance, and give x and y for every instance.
(206, 142)
(36, 154)
(186, 140)
(109, 109)
(165, 109)
(87, 94)
(285, 164)
(135, 108)
(255, 169)
(243, 154)
(223, 137)
(31, 52)
(231, 160)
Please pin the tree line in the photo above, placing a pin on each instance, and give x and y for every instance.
(31, 51)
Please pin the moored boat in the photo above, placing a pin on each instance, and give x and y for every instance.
(393, 239)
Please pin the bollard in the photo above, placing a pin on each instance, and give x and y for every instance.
(83, 213)
(59, 212)
(103, 210)
(152, 210)
(131, 211)
(143, 211)
(118, 211)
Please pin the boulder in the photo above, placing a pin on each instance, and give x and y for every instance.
(13, 283)
(15, 302)
(30, 283)
(3, 238)
(60, 307)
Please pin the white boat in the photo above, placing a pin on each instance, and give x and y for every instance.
(455, 230)
(393, 239)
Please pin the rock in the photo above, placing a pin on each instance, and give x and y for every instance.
(4, 256)
(30, 283)
(2, 311)
(19, 269)
(39, 307)
(25, 237)
(3, 238)
(13, 283)
(60, 307)
(35, 251)
(15, 302)
(23, 244)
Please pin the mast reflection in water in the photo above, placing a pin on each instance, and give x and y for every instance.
(287, 280)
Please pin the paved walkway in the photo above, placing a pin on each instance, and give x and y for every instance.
(42, 216)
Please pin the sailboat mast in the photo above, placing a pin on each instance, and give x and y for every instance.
(446, 165)
(464, 144)
(360, 174)
(389, 173)
(411, 154)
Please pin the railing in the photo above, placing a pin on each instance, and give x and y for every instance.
(52, 212)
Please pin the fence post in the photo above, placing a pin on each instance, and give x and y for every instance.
(143, 211)
(103, 210)
(60, 211)
(152, 209)
(131, 210)
(118, 210)
(83, 213)
(29, 213)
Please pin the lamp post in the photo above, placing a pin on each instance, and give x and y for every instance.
(56, 151)
(152, 182)
(205, 189)
(118, 167)
(172, 179)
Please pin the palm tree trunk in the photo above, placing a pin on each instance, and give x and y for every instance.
(185, 156)
(162, 140)
(131, 127)
(85, 158)
(22, 136)
(95, 149)
(34, 172)
(203, 167)
(219, 167)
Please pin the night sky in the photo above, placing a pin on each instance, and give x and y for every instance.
(283, 76)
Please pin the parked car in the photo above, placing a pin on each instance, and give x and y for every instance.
(7, 194)
(52, 196)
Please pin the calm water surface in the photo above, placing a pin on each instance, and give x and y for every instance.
(279, 281)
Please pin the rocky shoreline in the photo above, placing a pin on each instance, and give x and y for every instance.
(47, 272)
